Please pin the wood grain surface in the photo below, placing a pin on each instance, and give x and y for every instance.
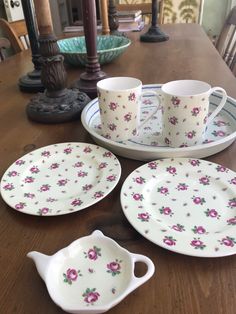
(181, 284)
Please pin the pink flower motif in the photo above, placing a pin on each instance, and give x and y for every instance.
(232, 203)
(20, 206)
(127, 117)
(44, 188)
(82, 174)
(198, 200)
(152, 165)
(233, 181)
(112, 126)
(171, 170)
(62, 182)
(132, 97)
(195, 111)
(228, 241)
(29, 195)
(175, 101)
(34, 169)
(204, 180)
(199, 230)
(46, 153)
(78, 164)
(76, 202)
(147, 101)
(144, 217)
(139, 180)
(212, 213)
(102, 165)
(67, 150)
(163, 190)
(166, 211)
(98, 194)
(190, 134)
(219, 133)
(20, 162)
(71, 275)
(197, 244)
(220, 123)
(8, 187)
(232, 221)
(168, 240)
(90, 295)
(178, 228)
(13, 173)
(107, 154)
(54, 166)
(182, 187)
(43, 211)
(87, 187)
(87, 149)
(29, 180)
(194, 162)
(114, 268)
(137, 196)
(93, 253)
(173, 120)
(113, 106)
(111, 178)
(220, 168)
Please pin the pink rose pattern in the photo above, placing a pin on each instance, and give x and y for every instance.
(116, 110)
(198, 202)
(57, 180)
(72, 274)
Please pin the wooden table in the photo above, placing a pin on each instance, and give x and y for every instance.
(181, 284)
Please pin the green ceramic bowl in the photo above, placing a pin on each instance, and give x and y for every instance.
(108, 48)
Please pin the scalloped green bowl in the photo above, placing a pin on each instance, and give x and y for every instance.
(108, 48)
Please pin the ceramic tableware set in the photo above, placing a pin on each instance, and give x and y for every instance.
(181, 203)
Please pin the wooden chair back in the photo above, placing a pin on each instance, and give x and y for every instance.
(4, 44)
(226, 44)
(17, 34)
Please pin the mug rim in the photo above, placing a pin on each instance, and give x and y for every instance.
(119, 78)
(205, 88)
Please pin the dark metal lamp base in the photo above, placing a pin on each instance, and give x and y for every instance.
(31, 82)
(154, 34)
(64, 108)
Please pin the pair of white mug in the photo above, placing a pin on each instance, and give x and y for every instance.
(184, 104)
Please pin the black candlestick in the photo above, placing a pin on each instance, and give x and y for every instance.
(31, 82)
(154, 34)
(113, 20)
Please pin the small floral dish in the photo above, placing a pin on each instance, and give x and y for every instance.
(108, 48)
(60, 179)
(91, 275)
(184, 205)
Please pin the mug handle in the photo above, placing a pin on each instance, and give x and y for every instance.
(155, 111)
(220, 106)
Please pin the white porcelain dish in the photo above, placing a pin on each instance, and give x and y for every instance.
(60, 179)
(184, 205)
(220, 133)
(91, 275)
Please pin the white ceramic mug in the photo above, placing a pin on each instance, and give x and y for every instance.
(185, 111)
(119, 101)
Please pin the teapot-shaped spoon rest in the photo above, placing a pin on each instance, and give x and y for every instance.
(91, 275)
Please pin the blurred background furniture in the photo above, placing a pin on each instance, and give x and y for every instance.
(226, 44)
(16, 32)
(4, 44)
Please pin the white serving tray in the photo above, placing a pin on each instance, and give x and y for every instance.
(148, 146)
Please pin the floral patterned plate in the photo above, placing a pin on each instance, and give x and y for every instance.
(60, 179)
(91, 275)
(149, 146)
(185, 205)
